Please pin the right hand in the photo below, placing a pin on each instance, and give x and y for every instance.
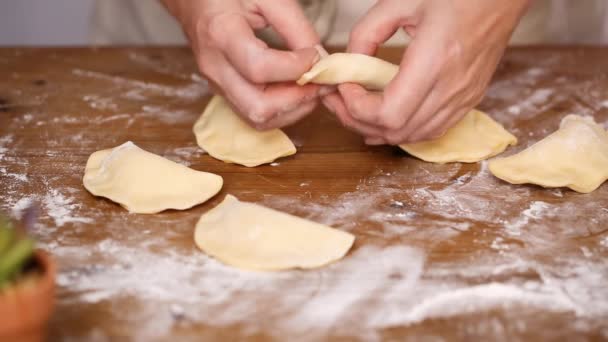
(255, 79)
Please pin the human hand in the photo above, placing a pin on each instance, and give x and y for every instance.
(255, 79)
(455, 48)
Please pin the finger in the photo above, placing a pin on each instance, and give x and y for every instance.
(425, 132)
(376, 27)
(451, 122)
(332, 101)
(335, 104)
(418, 73)
(427, 111)
(255, 60)
(288, 19)
(291, 117)
(437, 126)
(254, 103)
(362, 104)
(375, 141)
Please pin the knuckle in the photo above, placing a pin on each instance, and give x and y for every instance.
(391, 122)
(358, 33)
(259, 114)
(213, 28)
(255, 70)
(204, 67)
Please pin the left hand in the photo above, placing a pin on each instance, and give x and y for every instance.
(455, 48)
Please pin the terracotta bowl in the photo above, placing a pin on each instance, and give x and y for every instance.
(25, 310)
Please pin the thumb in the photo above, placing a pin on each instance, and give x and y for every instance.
(379, 24)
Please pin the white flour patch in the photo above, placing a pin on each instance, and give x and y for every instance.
(188, 92)
(100, 103)
(61, 208)
(375, 287)
(185, 155)
(537, 210)
(4, 141)
(66, 119)
(485, 297)
(16, 176)
(20, 206)
(157, 66)
(315, 300)
(166, 115)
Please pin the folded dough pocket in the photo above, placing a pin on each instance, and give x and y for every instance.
(574, 156)
(250, 236)
(145, 183)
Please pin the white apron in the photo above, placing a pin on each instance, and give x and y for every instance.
(548, 21)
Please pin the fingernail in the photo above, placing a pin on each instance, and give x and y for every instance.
(322, 52)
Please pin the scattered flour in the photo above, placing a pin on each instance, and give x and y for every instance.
(485, 297)
(4, 141)
(537, 210)
(187, 92)
(17, 176)
(21, 205)
(101, 103)
(61, 208)
(166, 115)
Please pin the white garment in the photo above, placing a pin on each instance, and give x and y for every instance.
(548, 21)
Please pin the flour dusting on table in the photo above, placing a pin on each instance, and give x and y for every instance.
(527, 256)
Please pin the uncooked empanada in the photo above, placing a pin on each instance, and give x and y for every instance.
(145, 183)
(225, 136)
(575, 156)
(476, 137)
(250, 236)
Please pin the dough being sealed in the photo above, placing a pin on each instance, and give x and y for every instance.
(371, 72)
(145, 183)
(476, 137)
(225, 136)
(249, 236)
(574, 156)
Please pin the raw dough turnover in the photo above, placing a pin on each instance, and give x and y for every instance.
(225, 136)
(476, 137)
(575, 156)
(249, 236)
(145, 183)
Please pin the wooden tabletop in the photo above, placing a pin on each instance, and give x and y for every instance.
(443, 252)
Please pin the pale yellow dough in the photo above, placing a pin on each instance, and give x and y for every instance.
(575, 156)
(145, 183)
(253, 237)
(370, 72)
(476, 137)
(225, 136)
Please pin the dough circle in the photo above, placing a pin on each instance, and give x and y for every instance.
(574, 156)
(225, 136)
(145, 183)
(249, 236)
(476, 137)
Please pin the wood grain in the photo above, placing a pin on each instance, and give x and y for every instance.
(466, 229)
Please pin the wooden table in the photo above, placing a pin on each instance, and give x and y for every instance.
(443, 252)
